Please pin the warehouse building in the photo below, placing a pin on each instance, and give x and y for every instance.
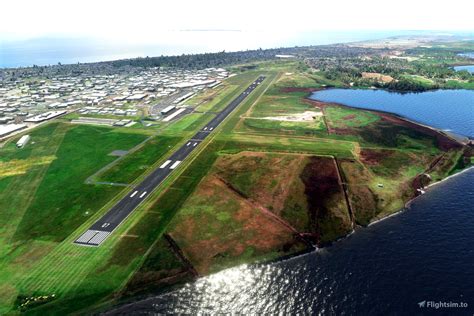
(167, 110)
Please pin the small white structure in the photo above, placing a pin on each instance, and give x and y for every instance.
(23, 140)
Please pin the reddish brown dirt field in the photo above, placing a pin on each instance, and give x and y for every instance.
(279, 170)
(349, 117)
(324, 192)
(374, 157)
(318, 104)
(211, 244)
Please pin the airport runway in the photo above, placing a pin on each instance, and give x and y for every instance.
(101, 229)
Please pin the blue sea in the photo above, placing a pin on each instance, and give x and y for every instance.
(449, 110)
(52, 50)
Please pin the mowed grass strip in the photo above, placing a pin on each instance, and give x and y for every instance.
(317, 146)
(62, 201)
(137, 162)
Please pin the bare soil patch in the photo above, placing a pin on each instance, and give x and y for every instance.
(328, 211)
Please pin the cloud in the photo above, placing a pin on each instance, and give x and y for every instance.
(143, 21)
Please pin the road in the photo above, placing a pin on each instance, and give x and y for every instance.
(101, 229)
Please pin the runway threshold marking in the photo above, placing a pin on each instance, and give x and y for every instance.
(92, 237)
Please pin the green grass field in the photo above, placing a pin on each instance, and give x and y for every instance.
(134, 164)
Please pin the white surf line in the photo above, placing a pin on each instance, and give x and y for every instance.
(133, 194)
(143, 194)
(175, 164)
(167, 162)
(172, 116)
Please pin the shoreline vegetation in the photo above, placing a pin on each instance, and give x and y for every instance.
(467, 141)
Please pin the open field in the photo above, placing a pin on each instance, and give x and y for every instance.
(280, 111)
(43, 206)
(303, 190)
(134, 164)
(234, 230)
(61, 190)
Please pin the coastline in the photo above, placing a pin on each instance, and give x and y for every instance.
(399, 116)
(408, 203)
(403, 118)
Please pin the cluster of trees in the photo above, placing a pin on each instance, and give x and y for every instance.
(348, 70)
(200, 61)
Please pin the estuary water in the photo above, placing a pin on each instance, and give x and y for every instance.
(449, 110)
(469, 68)
(422, 254)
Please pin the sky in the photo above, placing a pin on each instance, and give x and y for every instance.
(139, 21)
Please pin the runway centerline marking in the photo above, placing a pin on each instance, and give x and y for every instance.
(167, 162)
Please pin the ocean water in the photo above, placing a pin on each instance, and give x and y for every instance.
(422, 254)
(449, 110)
(51, 50)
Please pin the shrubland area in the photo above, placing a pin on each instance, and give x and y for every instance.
(281, 174)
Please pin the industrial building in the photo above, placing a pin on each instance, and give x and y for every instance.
(167, 110)
(183, 97)
(10, 128)
(23, 141)
(45, 116)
